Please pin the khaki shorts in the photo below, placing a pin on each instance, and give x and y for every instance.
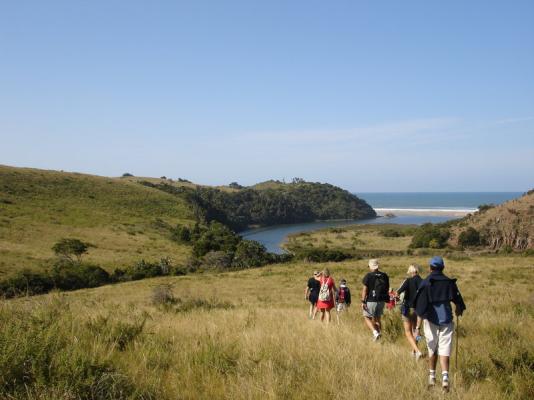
(374, 309)
(438, 338)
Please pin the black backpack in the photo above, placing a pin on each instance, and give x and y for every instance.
(380, 290)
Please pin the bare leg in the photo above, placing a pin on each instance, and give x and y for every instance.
(432, 361)
(444, 362)
(369, 323)
(311, 311)
(409, 335)
(322, 314)
(377, 324)
(314, 312)
(328, 316)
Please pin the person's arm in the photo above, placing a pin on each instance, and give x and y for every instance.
(459, 305)
(306, 293)
(403, 287)
(348, 299)
(365, 292)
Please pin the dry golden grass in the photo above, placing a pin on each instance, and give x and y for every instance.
(350, 238)
(264, 347)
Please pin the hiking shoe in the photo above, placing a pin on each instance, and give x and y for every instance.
(445, 384)
(418, 356)
(431, 381)
(376, 336)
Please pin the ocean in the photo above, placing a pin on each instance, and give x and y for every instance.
(436, 201)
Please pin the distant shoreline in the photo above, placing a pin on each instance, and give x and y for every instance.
(453, 212)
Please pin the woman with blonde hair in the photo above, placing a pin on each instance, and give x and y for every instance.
(409, 318)
(327, 293)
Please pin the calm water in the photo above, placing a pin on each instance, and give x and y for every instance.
(272, 237)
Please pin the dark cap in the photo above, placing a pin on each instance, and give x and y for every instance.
(437, 263)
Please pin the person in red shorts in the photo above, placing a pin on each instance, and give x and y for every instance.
(326, 295)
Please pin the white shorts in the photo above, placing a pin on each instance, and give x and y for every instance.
(438, 338)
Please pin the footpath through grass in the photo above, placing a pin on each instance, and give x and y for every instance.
(245, 335)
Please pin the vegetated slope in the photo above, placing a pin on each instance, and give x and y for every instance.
(245, 335)
(510, 224)
(271, 203)
(123, 220)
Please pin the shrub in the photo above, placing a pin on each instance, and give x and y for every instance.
(26, 282)
(392, 233)
(250, 253)
(321, 255)
(485, 207)
(217, 259)
(71, 276)
(163, 295)
(469, 237)
(181, 234)
(216, 237)
(430, 235)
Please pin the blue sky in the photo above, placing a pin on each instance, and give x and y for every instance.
(368, 95)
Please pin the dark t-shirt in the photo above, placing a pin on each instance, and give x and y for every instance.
(370, 279)
(410, 286)
(314, 287)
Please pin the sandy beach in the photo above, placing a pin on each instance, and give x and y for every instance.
(425, 211)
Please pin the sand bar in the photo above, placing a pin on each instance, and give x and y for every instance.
(453, 212)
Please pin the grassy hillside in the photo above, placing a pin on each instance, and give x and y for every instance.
(508, 225)
(122, 220)
(354, 240)
(245, 335)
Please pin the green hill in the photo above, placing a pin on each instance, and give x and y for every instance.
(271, 203)
(122, 220)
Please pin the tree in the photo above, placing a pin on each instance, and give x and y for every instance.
(250, 253)
(235, 185)
(67, 248)
(126, 175)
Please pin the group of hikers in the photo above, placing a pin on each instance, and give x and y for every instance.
(423, 302)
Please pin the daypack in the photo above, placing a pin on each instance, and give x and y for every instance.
(324, 292)
(341, 295)
(381, 289)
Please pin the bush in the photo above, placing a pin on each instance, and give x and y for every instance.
(250, 253)
(430, 235)
(181, 234)
(216, 237)
(469, 237)
(391, 232)
(217, 259)
(26, 282)
(71, 276)
(321, 255)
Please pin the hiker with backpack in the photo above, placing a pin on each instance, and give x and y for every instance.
(374, 295)
(433, 306)
(408, 290)
(326, 295)
(312, 293)
(343, 298)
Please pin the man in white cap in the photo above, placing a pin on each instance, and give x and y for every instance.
(375, 293)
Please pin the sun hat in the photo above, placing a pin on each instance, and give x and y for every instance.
(343, 283)
(437, 263)
(316, 273)
(373, 264)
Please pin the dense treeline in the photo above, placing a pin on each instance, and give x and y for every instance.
(281, 204)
